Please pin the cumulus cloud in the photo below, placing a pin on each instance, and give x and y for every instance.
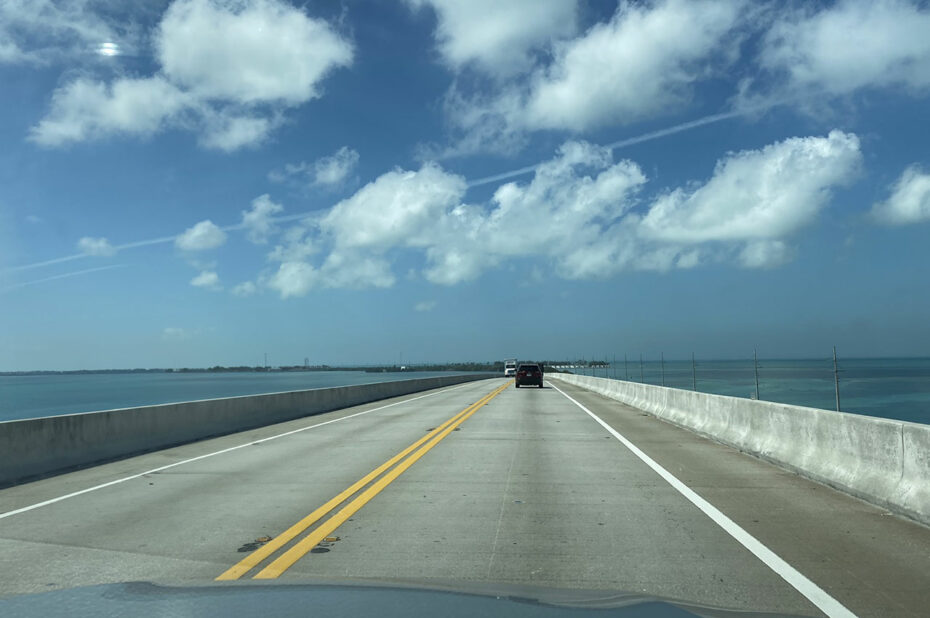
(849, 46)
(207, 279)
(641, 63)
(571, 202)
(202, 236)
(297, 244)
(765, 193)
(393, 209)
(582, 213)
(497, 37)
(329, 171)
(426, 305)
(259, 221)
(333, 169)
(224, 72)
(86, 109)
(96, 246)
(294, 279)
(909, 201)
(256, 51)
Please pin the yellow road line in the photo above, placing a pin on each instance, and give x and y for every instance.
(256, 557)
(296, 552)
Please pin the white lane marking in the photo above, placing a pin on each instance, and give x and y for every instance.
(814, 593)
(37, 505)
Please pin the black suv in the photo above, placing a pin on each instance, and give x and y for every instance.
(528, 373)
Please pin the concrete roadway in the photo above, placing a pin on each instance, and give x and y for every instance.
(529, 489)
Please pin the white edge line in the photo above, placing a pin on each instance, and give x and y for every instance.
(37, 505)
(814, 593)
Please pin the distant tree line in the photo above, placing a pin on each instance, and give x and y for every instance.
(488, 366)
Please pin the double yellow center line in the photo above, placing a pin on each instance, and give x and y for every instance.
(292, 555)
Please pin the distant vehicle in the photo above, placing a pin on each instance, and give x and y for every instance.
(510, 367)
(529, 373)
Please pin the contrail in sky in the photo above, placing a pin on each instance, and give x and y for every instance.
(141, 243)
(645, 137)
(61, 276)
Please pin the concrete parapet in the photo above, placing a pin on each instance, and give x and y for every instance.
(883, 461)
(41, 446)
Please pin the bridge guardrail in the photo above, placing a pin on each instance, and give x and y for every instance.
(36, 447)
(883, 461)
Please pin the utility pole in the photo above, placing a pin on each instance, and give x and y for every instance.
(266, 361)
(641, 380)
(693, 374)
(755, 363)
(836, 380)
(662, 357)
(626, 371)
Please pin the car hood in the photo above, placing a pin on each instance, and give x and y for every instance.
(347, 598)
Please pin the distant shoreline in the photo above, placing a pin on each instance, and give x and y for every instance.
(492, 367)
(462, 367)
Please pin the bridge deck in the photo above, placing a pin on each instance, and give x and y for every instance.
(530, 489)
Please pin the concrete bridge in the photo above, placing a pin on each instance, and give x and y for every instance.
(586, 484)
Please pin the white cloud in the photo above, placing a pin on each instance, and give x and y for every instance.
(229, 69)
(259, 221)
(850, 45)
(256, 51)
(571, 202)
(642, 63)
(229, 131)
(86, 109)
(909, 201)
(329, 171)
(350, 269)
(96, 246)
(298, 244)
(394, 209)
(246, 288)
(426, 305)
(207, 279)
(498, 37)
(755, 194)
(294, 279)
(202, 236)
(333, 169)
(582, 214)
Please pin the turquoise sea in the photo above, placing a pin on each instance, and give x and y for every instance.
(51, 395)
(888, 387)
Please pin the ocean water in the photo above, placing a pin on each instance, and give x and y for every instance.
(896, 388)
(888, 387)
(51, 395)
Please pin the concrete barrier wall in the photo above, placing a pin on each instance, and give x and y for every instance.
(883, 461)
(42, 446)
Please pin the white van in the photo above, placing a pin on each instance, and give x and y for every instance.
(510, 367)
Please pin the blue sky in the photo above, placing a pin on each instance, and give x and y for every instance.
(200, 182)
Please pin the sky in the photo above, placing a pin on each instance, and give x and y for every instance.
(192, 183)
